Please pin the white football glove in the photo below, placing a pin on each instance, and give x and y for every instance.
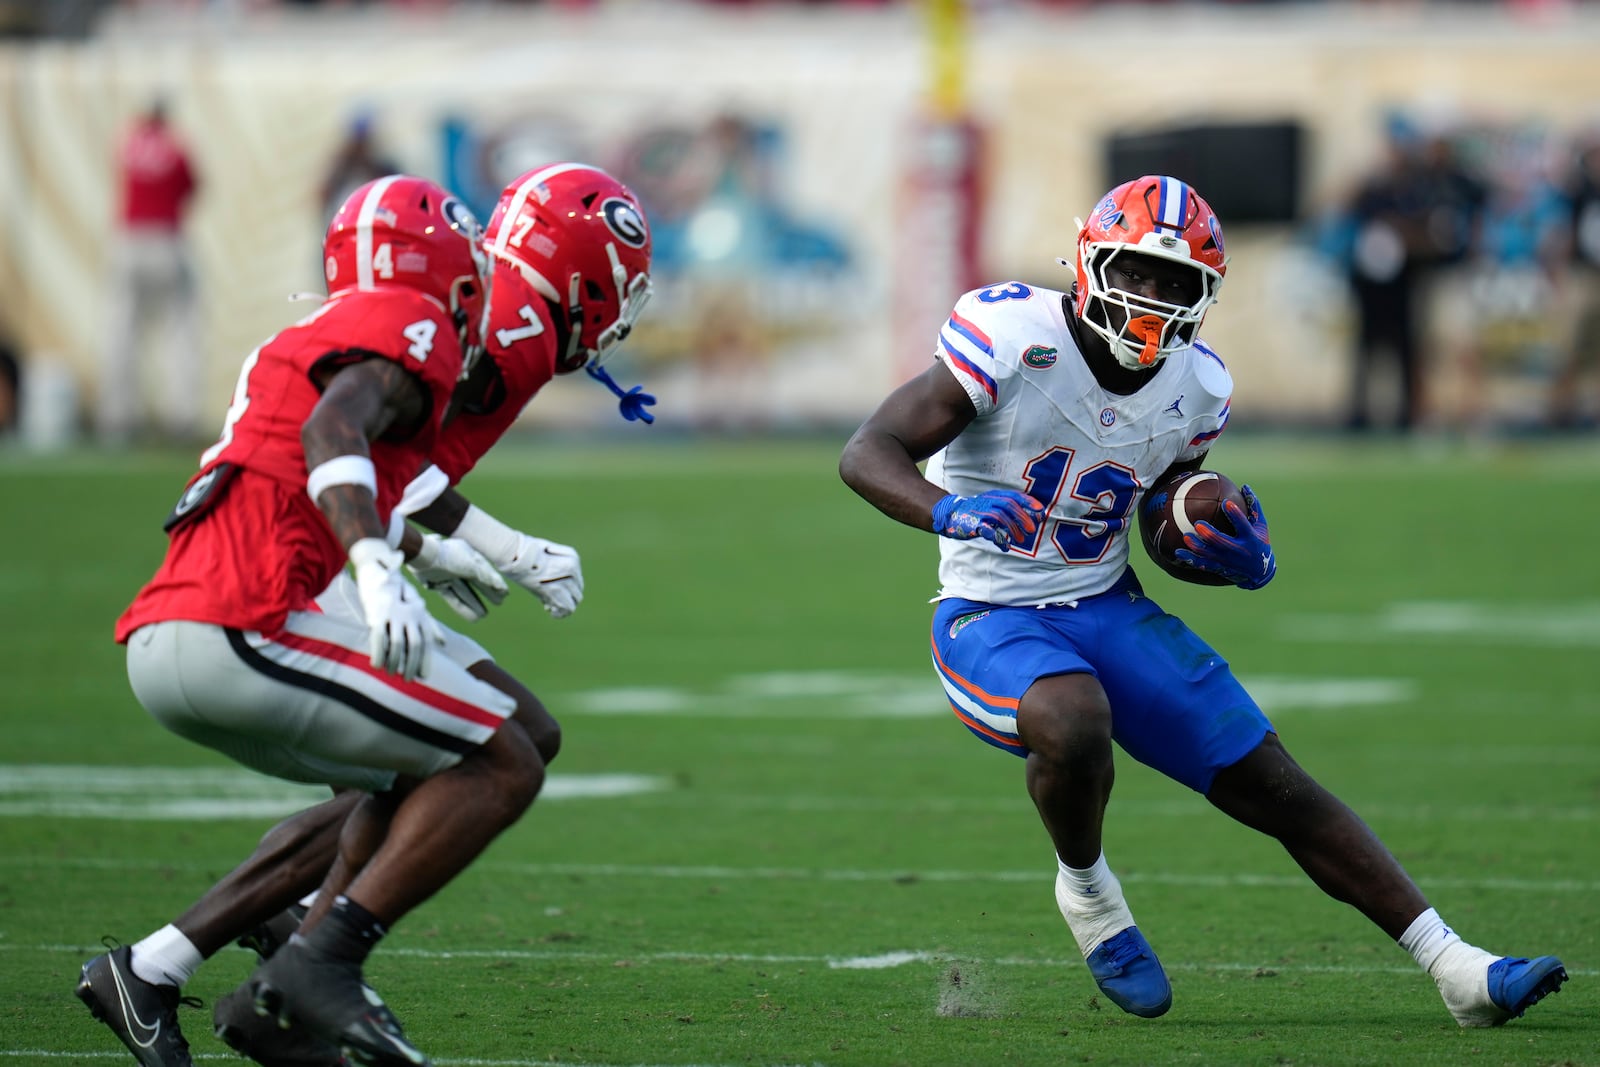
(401, 633)
(458, 573)
(548, 570)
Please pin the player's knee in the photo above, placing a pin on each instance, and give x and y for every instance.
(540, 726)
(1066, 719)
(546, 737)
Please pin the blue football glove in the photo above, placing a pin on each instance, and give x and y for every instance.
(1000, 516)
(1245, 559)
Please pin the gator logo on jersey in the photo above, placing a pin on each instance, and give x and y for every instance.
(1039, 357)
(964, 621)
(1108, 416)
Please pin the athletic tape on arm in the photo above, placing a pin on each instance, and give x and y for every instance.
(423, 490)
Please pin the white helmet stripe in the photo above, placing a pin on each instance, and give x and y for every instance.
(364, 217)
(1173, 203)
(521, 197)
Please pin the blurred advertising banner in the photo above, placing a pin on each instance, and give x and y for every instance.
(818, 202)
(761, 299)
(939, 233)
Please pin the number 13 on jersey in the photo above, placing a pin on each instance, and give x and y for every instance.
(1109, 488)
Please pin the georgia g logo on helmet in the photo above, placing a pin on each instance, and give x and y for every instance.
(461, 218)
(624, 220)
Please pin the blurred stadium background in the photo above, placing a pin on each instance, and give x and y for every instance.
(823, 178)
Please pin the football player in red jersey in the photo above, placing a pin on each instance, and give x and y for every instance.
(330, 420)
(530, 338)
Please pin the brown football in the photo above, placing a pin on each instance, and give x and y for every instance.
(1171, 508)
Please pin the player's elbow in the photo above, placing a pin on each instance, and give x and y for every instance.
(853, 463)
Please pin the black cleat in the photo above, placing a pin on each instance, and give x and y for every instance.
(300, 986)
(263, 1040)
(143, 1016)
(271, 935)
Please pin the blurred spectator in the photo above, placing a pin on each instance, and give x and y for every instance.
(1518, 278)
(1581, 351)
(1455, 197)
(1387, 220)
(10, 390)
(152, 282)
(357, 161)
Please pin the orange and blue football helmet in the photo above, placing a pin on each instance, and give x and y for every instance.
(1160, 217)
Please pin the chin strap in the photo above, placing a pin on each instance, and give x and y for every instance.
(631, 403)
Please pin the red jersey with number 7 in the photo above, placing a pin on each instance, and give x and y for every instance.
(520, 348)
(262, 548)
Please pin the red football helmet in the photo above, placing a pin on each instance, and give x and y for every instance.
(580, 238)
(406, 231)
(1153, 216)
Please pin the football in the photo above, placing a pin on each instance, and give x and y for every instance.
(1170, 509)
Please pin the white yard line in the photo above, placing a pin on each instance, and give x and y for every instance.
(1234, 880)
(161, 794)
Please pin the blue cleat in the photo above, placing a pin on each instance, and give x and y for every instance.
(1516, 984)
(1128, 973)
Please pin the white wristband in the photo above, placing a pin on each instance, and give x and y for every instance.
(497, 541)
(343, 470)
(428, 553)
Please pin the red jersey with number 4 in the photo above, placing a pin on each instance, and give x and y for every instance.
(521, 343)
(263, 548)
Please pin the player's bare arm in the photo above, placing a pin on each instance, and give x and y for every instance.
(913, 422)
(445, 513)
(359, 404)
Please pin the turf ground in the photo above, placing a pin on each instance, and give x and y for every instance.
(766, 841)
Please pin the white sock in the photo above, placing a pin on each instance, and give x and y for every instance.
(166, 957)
(310, 899)
(1090, 882)
(1091, 901)
(1426, 939)
(1459, 969)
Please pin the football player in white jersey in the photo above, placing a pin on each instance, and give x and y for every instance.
(1044, 418)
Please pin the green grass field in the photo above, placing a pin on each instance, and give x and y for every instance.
(822, 866)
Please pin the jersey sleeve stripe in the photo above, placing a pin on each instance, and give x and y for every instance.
(970, 331)
(961, 363)
(1206, 350)
(1222, 424)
